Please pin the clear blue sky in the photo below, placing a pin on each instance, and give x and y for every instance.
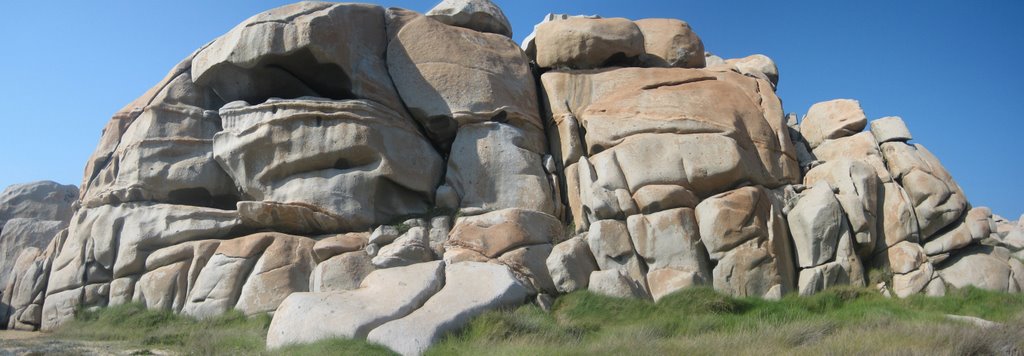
(951, 69)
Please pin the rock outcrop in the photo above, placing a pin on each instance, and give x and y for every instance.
(31, 215)
(386, 175)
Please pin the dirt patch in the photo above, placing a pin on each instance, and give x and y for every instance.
(36, 343)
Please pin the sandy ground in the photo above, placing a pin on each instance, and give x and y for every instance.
(35, 343)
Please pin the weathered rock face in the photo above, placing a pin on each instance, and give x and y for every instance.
(385, 175)
(315, 165)
(255, 169)
(31, 215)
(746, 234)
(39, 200)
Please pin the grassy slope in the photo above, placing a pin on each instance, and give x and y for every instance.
(229, 334)
(695, 321)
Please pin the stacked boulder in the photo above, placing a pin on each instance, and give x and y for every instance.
(669, 166)
(677, 177)
(336, 165)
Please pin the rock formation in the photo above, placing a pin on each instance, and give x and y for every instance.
(385, 175)
(30, 216)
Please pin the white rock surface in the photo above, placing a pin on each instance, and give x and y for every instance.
(384, 295)
(470, 289)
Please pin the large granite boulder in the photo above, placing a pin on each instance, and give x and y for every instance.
(490, 79)
(746, 234)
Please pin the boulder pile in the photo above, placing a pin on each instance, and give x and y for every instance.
(386, 175)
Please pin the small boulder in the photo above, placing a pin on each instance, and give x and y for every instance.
(613, 283)
(570, 264)
(384, 235)
(670, 43)
(411, 248)
(832, 119)
(342, 272)
(495, 232)
(581, 43)
(478, 15)
(890, 128)
(338, 244)
(757, 66)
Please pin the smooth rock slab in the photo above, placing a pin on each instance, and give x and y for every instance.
(612, 248)
(471, 288)
(283, 269)
(384, 295)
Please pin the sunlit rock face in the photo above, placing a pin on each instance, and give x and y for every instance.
(389, 175)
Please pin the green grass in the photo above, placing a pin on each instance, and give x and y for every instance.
(694, 321)
(229, 334)
(700, 321)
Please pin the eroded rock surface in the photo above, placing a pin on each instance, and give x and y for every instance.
(385, 175)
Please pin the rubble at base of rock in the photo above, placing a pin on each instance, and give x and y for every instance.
(407, 172)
